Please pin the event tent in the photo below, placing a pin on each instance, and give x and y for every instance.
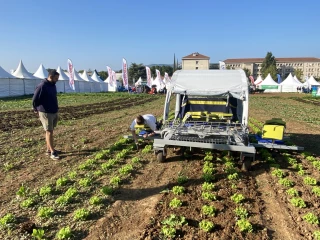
(113, 87)
(269, 85)
(95, 86)
(41, 72)
(258, 81)
(95, 77)
(63, 83)
(62, 75)
(297, 80)
(312, 82)
(7, 85)
(290, 84)
(29, 82)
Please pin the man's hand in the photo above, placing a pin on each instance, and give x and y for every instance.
(145, 135)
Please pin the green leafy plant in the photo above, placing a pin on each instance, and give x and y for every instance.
(126, 169)
(244, 225)
(7, 219)
(45, 191)
(95, 200)
(71, 192)
(292, 192)
(316, 164)
(45, 212)
(234, 176)
(241, 212)
(311, 218)
(298, 202)
(64, 233)
(107, 190)
(182, 179)
(316, 235)
(208, 170)
(27, 203)
(177, 190)
(206, 226)
(84, 166)
(237, 198)
(23, 191)
(208, 177)
(169, 232)
(107, 166)
(81, 214)
(316, 191)
(286, 182)
(135, 160)
(175, 203)
(311, 158)
(207, 186)
(63, 200)
(85, 182)
(7, 166)
(115, 181)
(208, 158)
(61, 181)
(98, 173)
(209, 196)
(301, 172)
(147, 149)
(72, 175)
(209, 210)
(174, 221)
(310, 181)
(278, 173)
(38, 234)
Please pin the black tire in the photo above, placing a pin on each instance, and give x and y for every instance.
(246, 164)
(160, 157)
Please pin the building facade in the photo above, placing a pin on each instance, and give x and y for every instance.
(309, 66)
(195, 61)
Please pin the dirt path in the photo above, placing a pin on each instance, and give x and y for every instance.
(135, 204)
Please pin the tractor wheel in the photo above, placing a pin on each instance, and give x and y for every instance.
(160, 157)
(246, 164)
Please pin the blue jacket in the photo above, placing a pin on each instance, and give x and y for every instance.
(45, 97)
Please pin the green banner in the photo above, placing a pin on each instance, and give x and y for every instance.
(269, 87)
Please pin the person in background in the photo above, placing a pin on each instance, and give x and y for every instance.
(147, 122)
(45, 103)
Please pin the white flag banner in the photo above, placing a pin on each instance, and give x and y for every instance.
(110, 75)
(71, 74)
(158, 74)
(114, 78)
(222, 65)
(125, 74)
(149, 81)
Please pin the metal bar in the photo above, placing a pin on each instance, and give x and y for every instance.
(277, 146)
(161, 143)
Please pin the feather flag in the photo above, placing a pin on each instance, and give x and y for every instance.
(222, 65)
(149, 81)
(71, 74)
(110, 75)
(114, 77)
(125, 74)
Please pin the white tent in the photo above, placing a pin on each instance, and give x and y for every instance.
(83, 86)
(138, 82)
(95, 77)
(113, 87)
(29, 81)
(290, 84)
(258, 81)
(296, 79)
(95, 87)
(63, 82)
(312, 82)
(7, 86)
(62, 75)
(41, 72)
(269, 85)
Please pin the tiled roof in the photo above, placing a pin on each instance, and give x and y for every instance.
(260, 60)
(196, 55)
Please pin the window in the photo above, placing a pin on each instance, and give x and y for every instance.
(196, 68)
(197, 62)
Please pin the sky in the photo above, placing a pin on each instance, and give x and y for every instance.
(97, 33)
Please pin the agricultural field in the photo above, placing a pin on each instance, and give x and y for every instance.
(103, 188)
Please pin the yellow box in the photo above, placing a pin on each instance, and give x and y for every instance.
(273, 132)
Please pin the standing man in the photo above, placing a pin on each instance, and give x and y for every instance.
(45, 103)
(148, 122)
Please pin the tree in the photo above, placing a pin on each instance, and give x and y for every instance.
(136, 71)
(103, 75)
(269, 65)
(298, 73)
(214, 66)
(247, 71)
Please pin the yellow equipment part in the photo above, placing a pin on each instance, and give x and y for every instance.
(273, 132)
(142, 127)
